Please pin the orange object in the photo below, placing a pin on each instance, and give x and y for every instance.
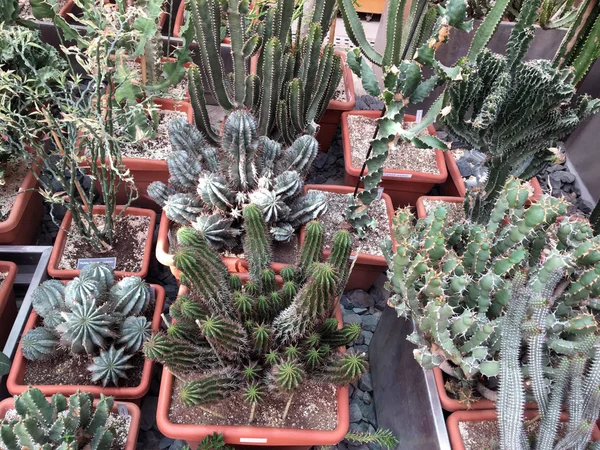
(132, 409)
(61, 240)
(421, 214)
(15, 385)
(8, 305)
(403, 186)
(23, 223)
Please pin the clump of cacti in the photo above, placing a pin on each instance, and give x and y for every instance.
(94, 316)
(59, 423)
(261, 335)
(209, 187)
(455, 281)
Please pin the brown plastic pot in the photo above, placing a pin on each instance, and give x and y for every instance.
(132, 409)
(333, 114)
(163, 244)
(285, 438)
(8, 305)
(367, 267)
(61, 240)
(490, 415)
(403, 186)
(23, 224)
(16, 386)
(68, 8)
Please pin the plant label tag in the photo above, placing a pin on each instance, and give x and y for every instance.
(352, 257)
(253, 440)
(379, 193)
(109, 261)
(397, 175)
(152, 293)
(419, 116)
(170, 237)
(122, 410)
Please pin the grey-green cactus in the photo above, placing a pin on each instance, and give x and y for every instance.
(456, 279)
(252, 170)
(263, 332)
(70, 424)
(94, 316)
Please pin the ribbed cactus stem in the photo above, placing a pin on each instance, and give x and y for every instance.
(311, 247)
(256, 242)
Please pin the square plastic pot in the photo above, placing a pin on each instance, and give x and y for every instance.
(403, 186)
(367, 267)
(16, 386)
(132, 409)
(22, 227)
(8, 305)
(61, 240)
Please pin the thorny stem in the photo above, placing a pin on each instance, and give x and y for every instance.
(287, 406)
(211, 345)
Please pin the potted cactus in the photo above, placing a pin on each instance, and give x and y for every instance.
(88, 334)
(454, 281)
(246, 355)
(209, 187)
(31, 421)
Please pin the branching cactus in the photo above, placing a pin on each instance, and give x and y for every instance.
(71, 424)
(211, 196)
(456, 280)
(511, 110)
(229, 336)
(293, 84)
(404, 83)
(94, 316)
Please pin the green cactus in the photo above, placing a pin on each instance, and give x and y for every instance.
(71, 424)
(49, 296)
(210, 388)
(110, 366)
(134, 332)
(256, 242)
(311, 249)
(39, 344)
(86, 327)
(345, 369)
(131, 295)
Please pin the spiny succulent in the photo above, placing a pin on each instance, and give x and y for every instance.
(110, 366)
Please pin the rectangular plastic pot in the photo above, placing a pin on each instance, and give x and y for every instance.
(490, 415)
(367, 267)
(8, 305)
(61, 240)
(332, 116)
(22, 227)
(403, 186)
(132, 409)
(15, 384)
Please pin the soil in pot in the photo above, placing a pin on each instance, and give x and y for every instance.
(130, 235)
(14, 173)
(334, 219)
(160, 146)
(340, 92)
(313, 407)
(403, 156)
(456, 211)
(176, 92)
(3, 276)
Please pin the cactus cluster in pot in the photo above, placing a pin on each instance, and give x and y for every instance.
(209, 187)
(59, 423)
(228, 336)
(94, 316)
(455, 281)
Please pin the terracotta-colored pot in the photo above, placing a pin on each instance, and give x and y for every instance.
(68, 8)
(403, 186)
(132, 409)
(23, 224)
(367, 267)
(251, 436)
(15, 385)
(8, 305)
(421, 214)
(490, 415)
(61, 240)
(163, 244)
(333, 114)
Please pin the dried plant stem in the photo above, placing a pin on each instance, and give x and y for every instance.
(220, 416)
(252, 412)
(287, 406)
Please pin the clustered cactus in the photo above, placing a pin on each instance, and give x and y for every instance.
(59, 423)
(208, 187)
(257, 336)
(292, 85)
(91, 315)
(456, 280)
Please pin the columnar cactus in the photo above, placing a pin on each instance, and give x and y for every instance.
(91, 315)
(456, 280)
(252, 169)
(73, 423)
(267, 336)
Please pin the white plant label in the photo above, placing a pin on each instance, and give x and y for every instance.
(122, 410)
(254, 440)
(109, 261)
(398, 175)
(379, 193)
(419, 116)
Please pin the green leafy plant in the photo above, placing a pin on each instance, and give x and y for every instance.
(5, 363)
(381, 436)
(71, 424)
(94, 316)
(209, 187)
(455, 281)
(254, 336)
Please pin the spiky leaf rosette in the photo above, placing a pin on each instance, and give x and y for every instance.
(99, 272)
(254, 393)
(130, 296)
(314, 359)
(257, 245)
(251, 371)
(39, 343)
(228, 338)
(49, 296)
(211, 388)
(134, 332)
(110, 366)
(286, 376)
(345, 369)
(86, 327)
